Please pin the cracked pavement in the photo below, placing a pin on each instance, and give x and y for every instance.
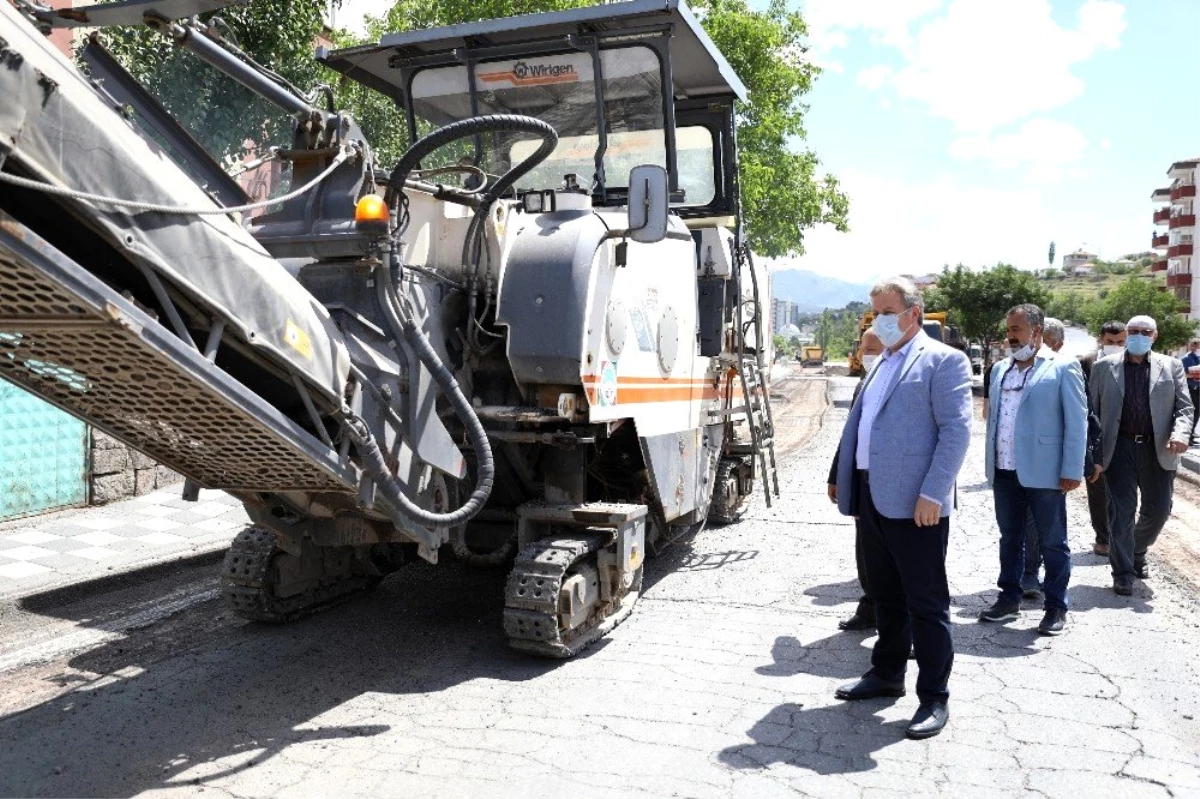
(719, 685)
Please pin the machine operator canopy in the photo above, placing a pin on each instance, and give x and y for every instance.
(606, 77)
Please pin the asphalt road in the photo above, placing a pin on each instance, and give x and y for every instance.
(719, 685)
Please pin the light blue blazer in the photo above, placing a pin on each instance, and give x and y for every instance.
(920, 435)
(1051, 431)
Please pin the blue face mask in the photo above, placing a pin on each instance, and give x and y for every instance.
(1138, 344)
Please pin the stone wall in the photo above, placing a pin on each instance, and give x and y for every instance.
(119, 471)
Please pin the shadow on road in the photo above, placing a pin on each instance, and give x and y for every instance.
(826, 740)
(245, 692)
(831, 594)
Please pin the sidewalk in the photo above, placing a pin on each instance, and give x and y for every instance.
(71, 546)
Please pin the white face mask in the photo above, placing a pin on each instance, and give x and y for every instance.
(869, 361)
(1023, 354)
(1111, 349)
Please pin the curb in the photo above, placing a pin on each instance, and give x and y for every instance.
(1189, 469)
(131, 574)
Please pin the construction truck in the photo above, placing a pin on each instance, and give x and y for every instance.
(812, 355)
(543, 317)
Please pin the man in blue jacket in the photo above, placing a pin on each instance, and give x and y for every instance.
(1191, 368)
(1036, 438)
(899, 457)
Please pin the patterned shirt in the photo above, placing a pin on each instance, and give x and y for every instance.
(1011, 385)
(1135, 408)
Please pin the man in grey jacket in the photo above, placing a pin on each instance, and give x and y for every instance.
(1145, 415)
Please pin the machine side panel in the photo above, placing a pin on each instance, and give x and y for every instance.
(544, 296)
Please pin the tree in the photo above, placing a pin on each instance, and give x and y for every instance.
(782, 195)
(1070, 305)
(1051, 258)
(1140, 296)
(223, 115)
(979, 300)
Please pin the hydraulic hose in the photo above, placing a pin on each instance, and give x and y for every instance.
(368, 447)
(493, 123)
(404, 328)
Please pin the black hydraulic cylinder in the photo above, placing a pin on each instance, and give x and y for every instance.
(218, 57)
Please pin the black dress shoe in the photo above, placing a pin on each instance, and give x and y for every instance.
(855, 623)
(1141, 571)
(869, 687)
(1123, 586)
(930, 719)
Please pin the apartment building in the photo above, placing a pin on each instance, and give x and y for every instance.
(1174, 234)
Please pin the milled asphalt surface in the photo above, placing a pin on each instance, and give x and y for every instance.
(721, 684)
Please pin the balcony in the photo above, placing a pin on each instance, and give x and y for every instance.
(1179, 280)
(1182, 192)
(1162, 215)
(1158, 240)
(1159, 266)
(1183, 220)
(1179, 250)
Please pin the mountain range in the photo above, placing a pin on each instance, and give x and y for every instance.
(813, 292)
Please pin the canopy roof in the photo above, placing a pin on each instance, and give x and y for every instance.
(698, 67)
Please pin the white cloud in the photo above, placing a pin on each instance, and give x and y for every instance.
(896, 227)
(987, 64)
(887, 21)
(1046, 145)
(874, 77)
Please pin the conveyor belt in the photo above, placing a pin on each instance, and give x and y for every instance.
(70, 339)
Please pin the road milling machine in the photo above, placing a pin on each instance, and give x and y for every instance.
(535, 340)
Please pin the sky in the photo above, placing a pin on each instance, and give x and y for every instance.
(978, 131)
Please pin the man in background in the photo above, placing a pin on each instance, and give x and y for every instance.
(1191, 366)
(1145, 415)
(864, 614)
(1111, 341)
(1053, 337)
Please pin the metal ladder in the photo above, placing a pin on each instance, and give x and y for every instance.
(752, 371)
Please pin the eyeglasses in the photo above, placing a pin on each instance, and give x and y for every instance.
(1133, 331)
(1015, 389)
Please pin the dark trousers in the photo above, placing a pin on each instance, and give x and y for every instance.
(866, 603)
(1135, 468)
(1195, 392)
(1033, 552)
(1097, 495)
(1049, 508)
(906, 569)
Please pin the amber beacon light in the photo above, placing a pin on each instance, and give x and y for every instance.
(371, 214)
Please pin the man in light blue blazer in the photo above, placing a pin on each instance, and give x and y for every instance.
(1036, 443)
(898, 460)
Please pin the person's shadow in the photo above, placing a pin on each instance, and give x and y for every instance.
(826, 740)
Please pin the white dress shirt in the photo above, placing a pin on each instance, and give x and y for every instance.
(872, 398)
(1012, 384)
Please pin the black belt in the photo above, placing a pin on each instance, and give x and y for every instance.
(1137, 439)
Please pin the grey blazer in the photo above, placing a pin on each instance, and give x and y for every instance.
(1170, 406)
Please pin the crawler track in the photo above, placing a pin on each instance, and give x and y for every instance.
(531, 598)
(250, 575)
